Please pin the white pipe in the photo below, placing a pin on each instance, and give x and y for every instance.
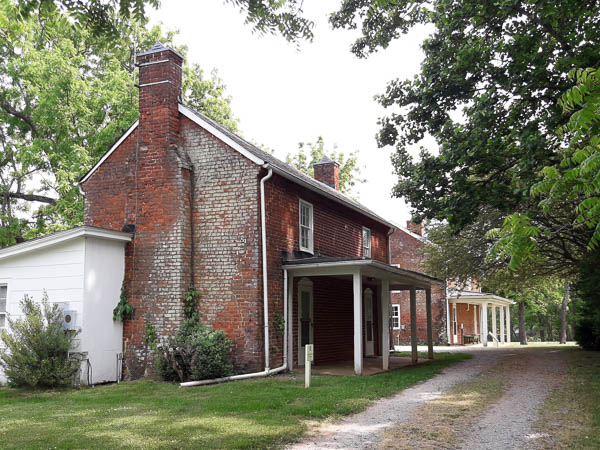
(267, 370)
(263, 223)
(264, 373)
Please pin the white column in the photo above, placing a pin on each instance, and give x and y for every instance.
(290, 330)
(502, 324)
(429, 326)
(413, 324)
(385, 323)
(494, 331)
(508, 324)
(358, 337)
(474, 320)
(484, 324)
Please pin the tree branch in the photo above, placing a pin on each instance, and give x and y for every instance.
(30, 197)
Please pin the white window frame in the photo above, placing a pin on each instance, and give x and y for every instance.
(311, 227)
(366, 248)
(395, 315)
(4, 282)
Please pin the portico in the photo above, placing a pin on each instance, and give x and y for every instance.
(342, 303)
(469, 317)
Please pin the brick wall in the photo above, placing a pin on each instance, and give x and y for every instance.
(227, 261)
(407, 251)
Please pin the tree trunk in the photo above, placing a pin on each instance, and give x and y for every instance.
(522, 332)
(550, 330)
(563, 315)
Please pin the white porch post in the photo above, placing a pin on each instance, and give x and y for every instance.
(502, 324)
(290, 328)
(474, 320)
(358, 337)
(385, 323)
(484, 324)
(413, 324)
(508, 324)
(429, 327)
(494, 320)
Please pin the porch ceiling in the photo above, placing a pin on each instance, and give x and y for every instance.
(399, 279)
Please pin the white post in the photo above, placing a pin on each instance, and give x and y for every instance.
(385, 324)
(502, 324)
(484, 324)
(474, 320)
(358, 337)
(494, 331)
(290, 330)
(413, 324)
(308, 356)
(429, 325)
(508, 324)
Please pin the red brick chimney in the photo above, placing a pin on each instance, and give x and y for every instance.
(418, 228)
(328, 171)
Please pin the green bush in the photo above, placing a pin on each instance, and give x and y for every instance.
(196, 352)
(37, 347)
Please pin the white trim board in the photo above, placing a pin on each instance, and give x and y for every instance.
(109, 152)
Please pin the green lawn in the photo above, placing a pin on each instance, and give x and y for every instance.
(251, 413)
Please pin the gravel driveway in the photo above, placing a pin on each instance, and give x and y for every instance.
(505, 424)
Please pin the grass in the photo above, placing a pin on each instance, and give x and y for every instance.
(570, 416)
(440, 423)
(149, 414)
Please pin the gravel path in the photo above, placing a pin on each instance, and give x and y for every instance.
(505, 425)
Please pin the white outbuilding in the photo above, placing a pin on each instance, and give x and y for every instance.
(81, 269)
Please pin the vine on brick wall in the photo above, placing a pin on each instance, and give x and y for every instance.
(123, 310)
(190, 303)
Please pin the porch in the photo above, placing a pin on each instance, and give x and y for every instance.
(342, 307)
(371, 366)
(470, 318)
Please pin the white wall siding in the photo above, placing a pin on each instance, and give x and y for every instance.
(102, 337)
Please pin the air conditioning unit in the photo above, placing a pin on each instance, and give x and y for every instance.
(70, 320)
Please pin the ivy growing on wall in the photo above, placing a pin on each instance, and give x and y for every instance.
(123, 310)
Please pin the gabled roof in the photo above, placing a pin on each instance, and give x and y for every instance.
(62, 236)
(410, 233)
(467, 296)
(259, 157)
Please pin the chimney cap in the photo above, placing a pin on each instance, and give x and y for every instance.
(159, 47)
(326, 160)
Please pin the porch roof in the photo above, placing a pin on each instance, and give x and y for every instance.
(478, 297)
(400, 279)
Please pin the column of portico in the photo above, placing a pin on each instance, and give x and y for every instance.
(508, 324)
(502, 324)
(494, 321)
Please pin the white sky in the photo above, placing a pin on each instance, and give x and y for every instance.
(283, 96)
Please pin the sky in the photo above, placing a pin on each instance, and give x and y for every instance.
(284, 94)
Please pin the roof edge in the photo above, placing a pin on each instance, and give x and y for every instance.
(63, 236)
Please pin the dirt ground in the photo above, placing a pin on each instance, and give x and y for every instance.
(488, 402)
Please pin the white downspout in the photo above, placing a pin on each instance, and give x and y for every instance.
(267, 370)
(263, 229)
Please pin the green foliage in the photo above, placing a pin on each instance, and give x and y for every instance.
(196, 352)
(123, 310)
(587, 326)
(310, 153)
(151, 338)
(37, 347)
(66, 95)
(190, 303)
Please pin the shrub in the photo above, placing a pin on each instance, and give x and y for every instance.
(196, 352)
(37, 347)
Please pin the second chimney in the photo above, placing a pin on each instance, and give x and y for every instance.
(328, 171)
(418, 228)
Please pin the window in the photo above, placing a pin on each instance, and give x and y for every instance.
(306, 226)
(366, 242)
(3, 295)
(395, 317)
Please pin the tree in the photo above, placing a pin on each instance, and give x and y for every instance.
(66, 95)
(304, 161)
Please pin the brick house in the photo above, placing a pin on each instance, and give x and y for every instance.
(406, 249)
(208, 208)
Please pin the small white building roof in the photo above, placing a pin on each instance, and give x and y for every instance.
(478, 297)
(62, 236)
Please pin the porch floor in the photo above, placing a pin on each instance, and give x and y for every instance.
(371, 366)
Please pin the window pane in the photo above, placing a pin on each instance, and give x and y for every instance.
(303, 237)
(3, 291)
(305, 333)
(305, 307)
